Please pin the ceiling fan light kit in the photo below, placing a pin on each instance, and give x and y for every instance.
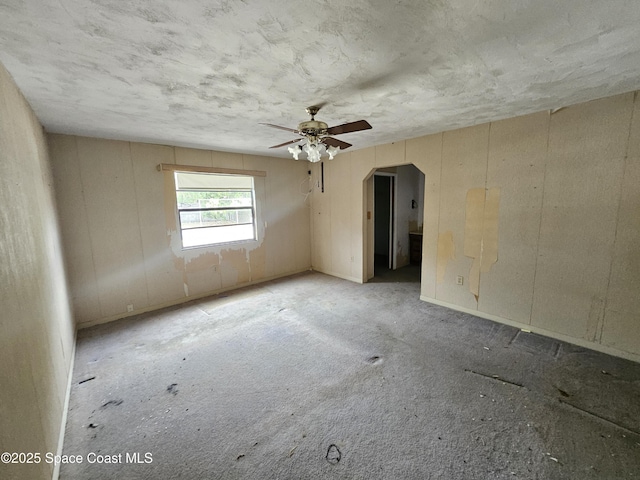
(317, 137)
(313, 151)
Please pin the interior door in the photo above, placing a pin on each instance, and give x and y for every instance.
(383, 191)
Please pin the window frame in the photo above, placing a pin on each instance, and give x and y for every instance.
(176, 170)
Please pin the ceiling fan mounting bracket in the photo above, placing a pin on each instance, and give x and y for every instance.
(312, 110)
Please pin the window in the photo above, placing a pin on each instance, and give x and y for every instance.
(215, 208)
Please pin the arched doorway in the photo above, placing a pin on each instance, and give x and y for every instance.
(394, 202)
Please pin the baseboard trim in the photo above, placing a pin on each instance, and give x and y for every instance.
(339, 275)
(541, 331)
(179, 301)
(65, 407)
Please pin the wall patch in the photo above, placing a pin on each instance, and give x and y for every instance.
(481, 233)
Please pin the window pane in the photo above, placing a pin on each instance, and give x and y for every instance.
(211, 218)
(215, 208)
(213, 199)
(208, 236)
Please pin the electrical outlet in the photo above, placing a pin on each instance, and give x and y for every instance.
(130, 308)
(459, 280)
(215, 269)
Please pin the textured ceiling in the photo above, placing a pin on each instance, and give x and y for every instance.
(206, 73)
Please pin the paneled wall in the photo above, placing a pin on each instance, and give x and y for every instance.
(121, 234)
(538, 214)
(36, 326)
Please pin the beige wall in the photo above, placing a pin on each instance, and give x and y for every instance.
(120, 231)
(547, 204)
(36, 328)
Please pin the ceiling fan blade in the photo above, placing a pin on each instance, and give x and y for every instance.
(334, 142)
(349, 127)
(281, 128)
(286, 143)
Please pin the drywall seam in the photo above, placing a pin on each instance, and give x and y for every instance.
(486, 171)
(473, 230)
(494, 248)
(159, 306)
(481, 233)
(135, 189)
(540, 331)
(490, 226)
(446, 252)
(615, 234)
(544, 183)
(595, 320)
(439, 213)
(86, 216)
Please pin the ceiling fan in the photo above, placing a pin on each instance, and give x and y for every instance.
(316, 135)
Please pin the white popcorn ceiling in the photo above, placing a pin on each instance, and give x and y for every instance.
(207, 73)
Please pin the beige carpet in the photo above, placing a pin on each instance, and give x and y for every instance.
(314, 377)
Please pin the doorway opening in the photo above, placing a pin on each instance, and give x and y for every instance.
(395, 206)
